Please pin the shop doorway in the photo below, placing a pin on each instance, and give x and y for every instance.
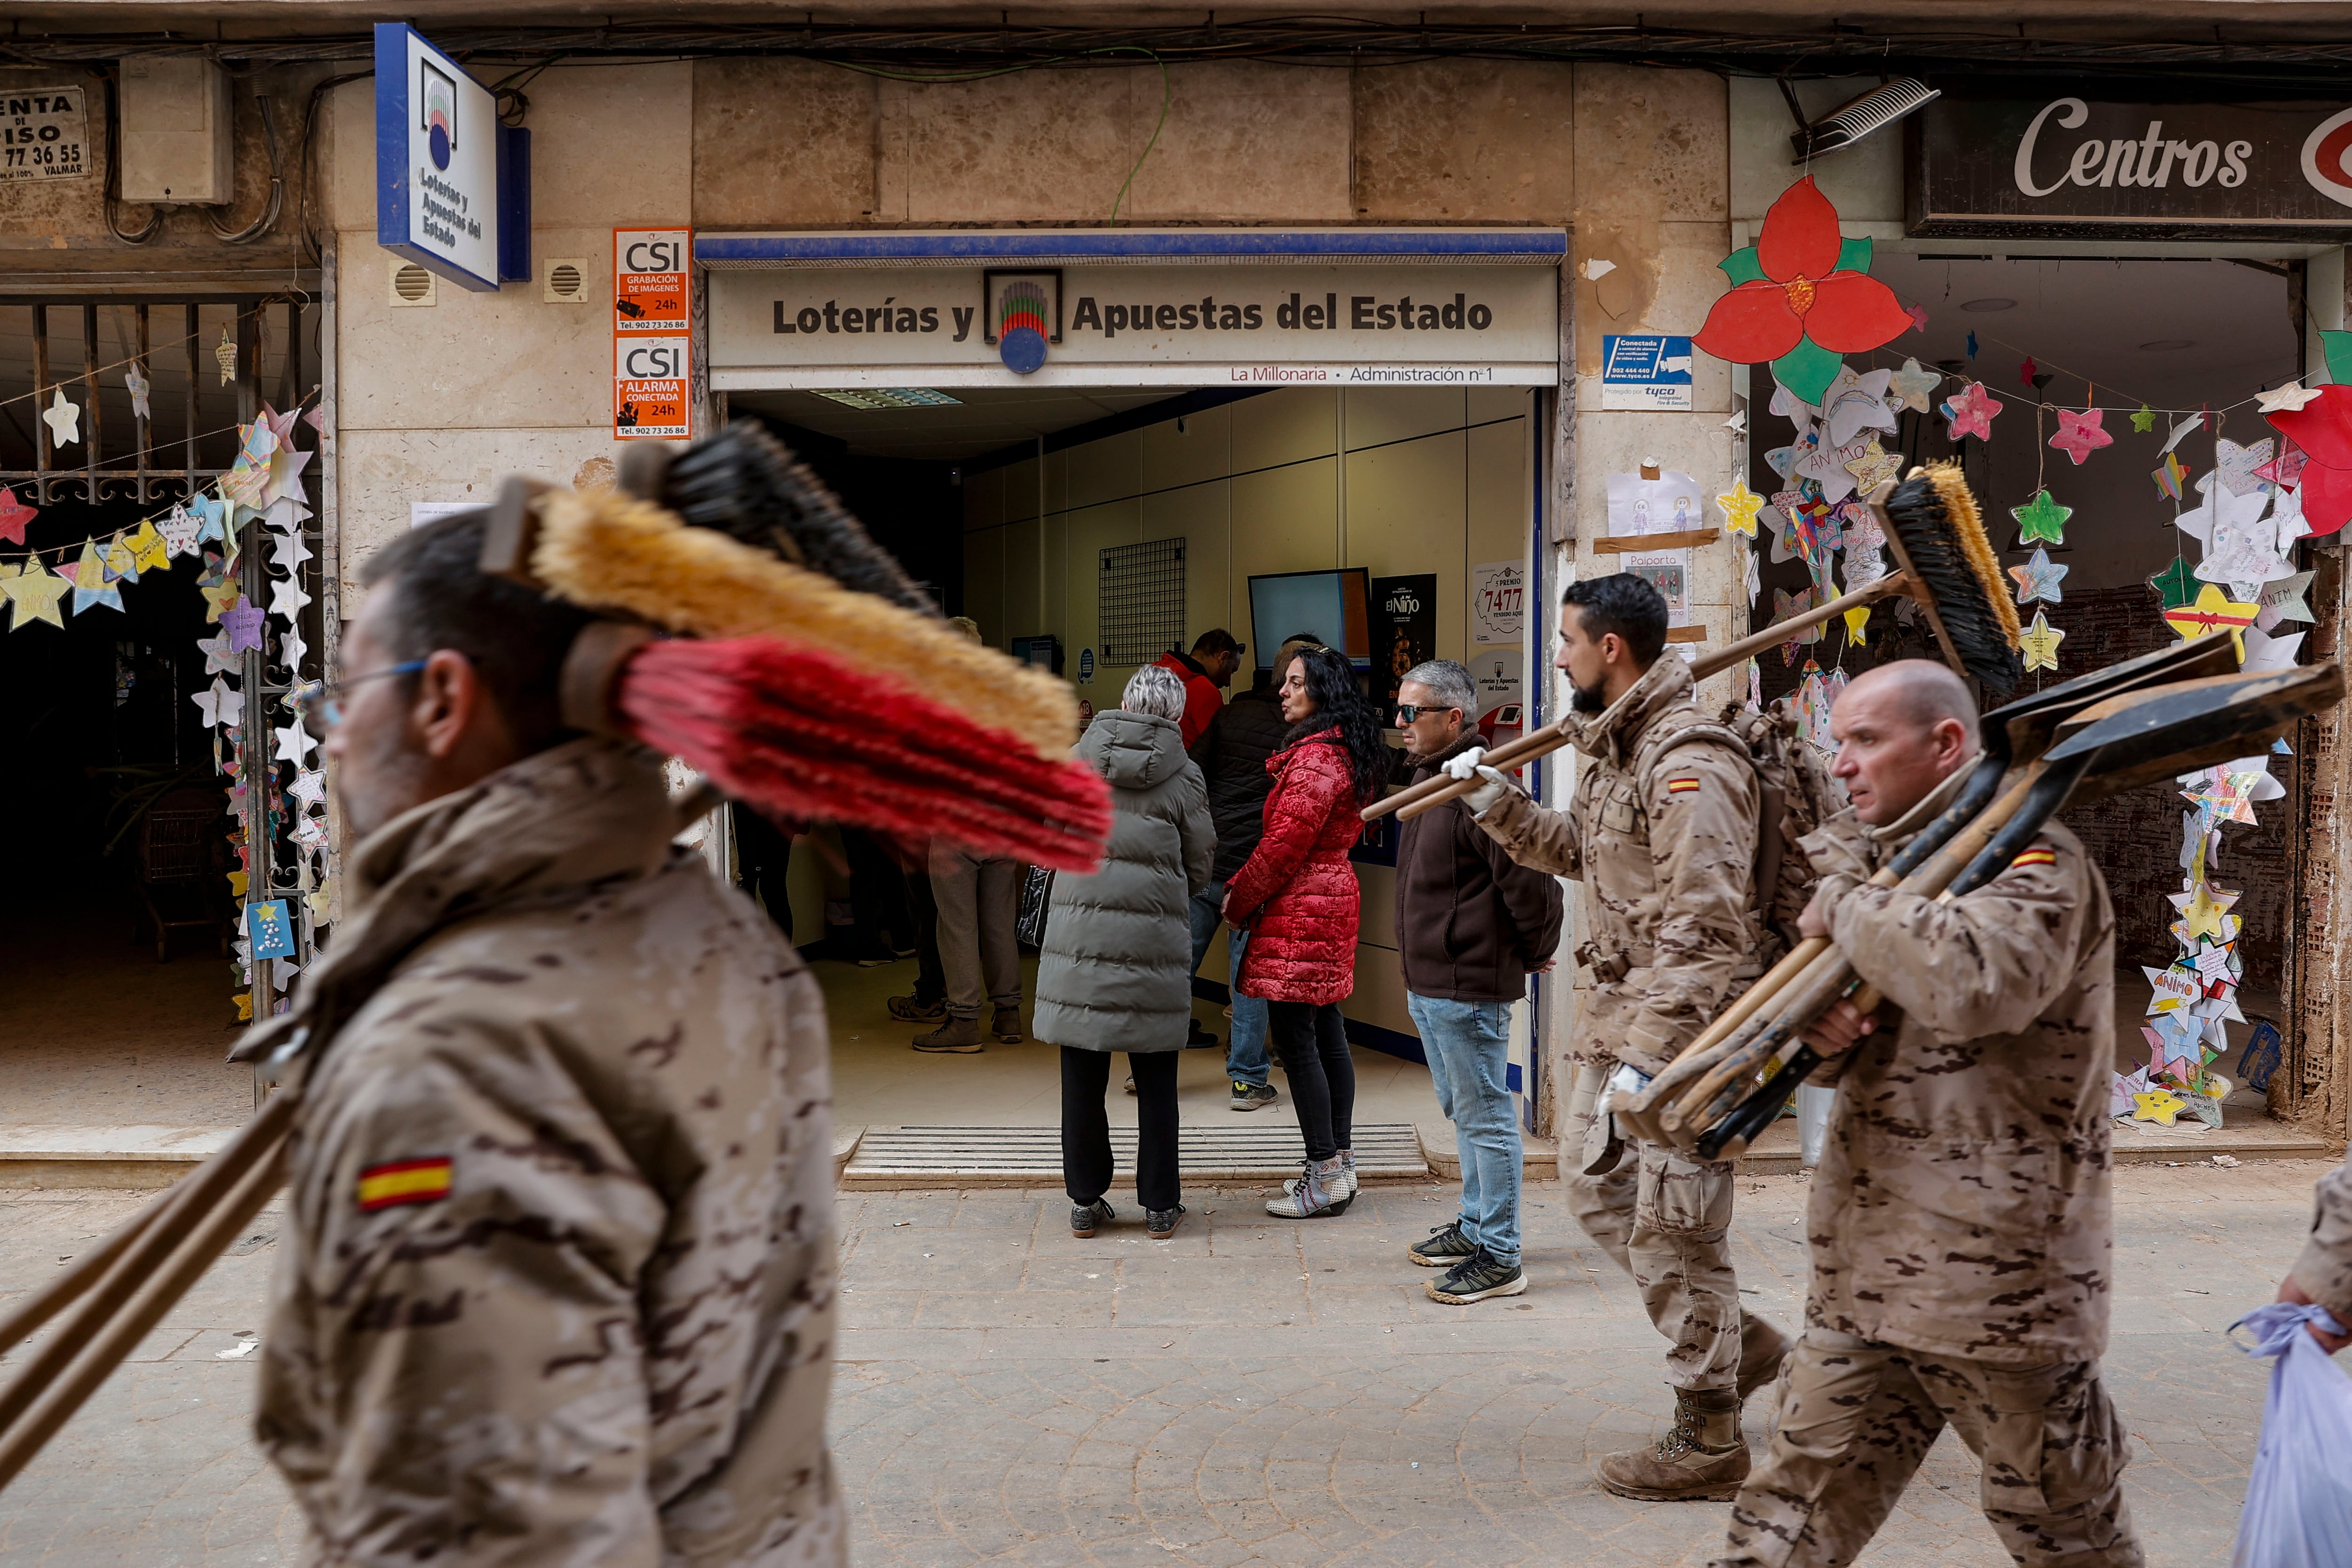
(2161, 339)
(1013, 503)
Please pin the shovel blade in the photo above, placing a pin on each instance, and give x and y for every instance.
(2195, 724)
(2034, 722)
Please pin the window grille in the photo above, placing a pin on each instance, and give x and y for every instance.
(1140, 590)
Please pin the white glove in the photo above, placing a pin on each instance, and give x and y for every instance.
(1491, 785)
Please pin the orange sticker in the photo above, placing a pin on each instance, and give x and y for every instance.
(650, 389)
(651, 279)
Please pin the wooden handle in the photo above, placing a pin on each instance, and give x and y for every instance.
(1538, 742)
(1780, 632)
(1638, 544)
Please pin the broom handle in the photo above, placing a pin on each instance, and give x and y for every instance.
(134, 1253)
(1431, 793)
(141, 1308)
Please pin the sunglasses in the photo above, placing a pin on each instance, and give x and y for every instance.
(1408, 712)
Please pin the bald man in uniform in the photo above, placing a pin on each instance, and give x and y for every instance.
(1959, 1225)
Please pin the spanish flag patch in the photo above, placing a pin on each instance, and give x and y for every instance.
(2040, 854)
(1683, 784)
(404, 1181)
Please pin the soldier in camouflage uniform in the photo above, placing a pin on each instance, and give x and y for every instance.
(2323, 1272)
(559, 1281)
(1662, 832)
(1958, 1224)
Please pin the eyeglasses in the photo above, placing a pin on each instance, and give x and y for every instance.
(319, 703)
(1408, 712)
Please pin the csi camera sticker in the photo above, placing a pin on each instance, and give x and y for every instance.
(649, 389)
(2327, 158)
(1021, 312)
(436, 107)
(651, 281)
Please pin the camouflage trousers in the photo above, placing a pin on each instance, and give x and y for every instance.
(1667, 1220)
(1856, 1417)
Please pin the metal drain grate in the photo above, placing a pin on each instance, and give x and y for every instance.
(1025, 1156)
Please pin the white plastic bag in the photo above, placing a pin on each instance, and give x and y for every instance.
(2299, 1501)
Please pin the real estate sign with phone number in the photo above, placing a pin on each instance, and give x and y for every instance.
(41, 135)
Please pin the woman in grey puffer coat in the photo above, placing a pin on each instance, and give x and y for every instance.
(1115, 970)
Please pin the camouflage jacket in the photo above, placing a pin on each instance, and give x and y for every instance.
(2324, 1270)
(1660, 829)
(560, 1283)
(1961, 1207)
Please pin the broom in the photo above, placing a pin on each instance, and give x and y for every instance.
(1944, 561)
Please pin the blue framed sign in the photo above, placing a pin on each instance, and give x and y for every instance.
(453, 188)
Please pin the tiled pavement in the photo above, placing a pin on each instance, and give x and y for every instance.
(1250, 1392)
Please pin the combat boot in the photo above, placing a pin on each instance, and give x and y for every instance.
(1703, 1459)
(1763, 1350)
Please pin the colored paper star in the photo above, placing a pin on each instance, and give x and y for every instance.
(1857, 625)
(1971, 412)
(119, 563)
(2201, 911)
(244, 624)
(14, 517)
(1875, 467)
(224, 356)
(295, 745)
(2144, 421)
(222, 703)
(2027, 371)
(1856, 402)
(2041, 518)
(308, 787)
(1740, 506)
(214, 513)
(1826, 466)
(2039, 644)
(247, 483)
(2221, 798)
(91, 586)
(219, 656)
(179, 531)
(2039, 579)
(33, 594)
(2210, 613)
(1919, 314)
(63, 419)
(2080, 435)
(149, 548)
(286, 599)
(139, 386)
(1785, 605)
(2293, 396)
(2236, 466)
(1912, 386)
(2125, 1085)
(2169, 475)
(220, 598)
(2282, 600)
(2158, 1106)
(2284, 470)
(1972, 345)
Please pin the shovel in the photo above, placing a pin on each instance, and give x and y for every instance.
(2115, 747)
(2016, 733)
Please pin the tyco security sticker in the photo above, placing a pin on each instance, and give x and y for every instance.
(404, 1181)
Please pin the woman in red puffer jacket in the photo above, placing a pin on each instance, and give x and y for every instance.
(1297, 896)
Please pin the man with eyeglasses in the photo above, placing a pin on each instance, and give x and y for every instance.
(558, 1281)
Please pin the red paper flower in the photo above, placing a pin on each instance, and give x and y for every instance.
(2323, 429)
(1804, 294)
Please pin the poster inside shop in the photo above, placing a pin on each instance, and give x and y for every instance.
(650, 280)
(649, 389)
(1404, 627)
(1498, 590)
(1667, 505)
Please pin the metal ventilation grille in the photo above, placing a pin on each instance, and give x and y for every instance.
(1140, 590)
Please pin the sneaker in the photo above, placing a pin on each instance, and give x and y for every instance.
(1475, 1278)
(1006, 1026)
(876, 961)
(1248, 1096)
(1444, 1247)
(914, 1009)
(959, 1037)
(1084, 1216)
(1347, 1186)
(1200, 1039)
(1161, 1223)
(1313, 1195)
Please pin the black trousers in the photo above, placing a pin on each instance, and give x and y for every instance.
(1086, 1126)
(763, 859)
(877, 897)
(930, 978)
(1312, 1041)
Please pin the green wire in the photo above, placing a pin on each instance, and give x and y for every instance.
(1167, 96)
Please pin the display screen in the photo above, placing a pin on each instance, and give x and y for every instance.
(1332, 607)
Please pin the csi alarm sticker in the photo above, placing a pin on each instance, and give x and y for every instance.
(649, 389)
(2327, 158)
(650, 280)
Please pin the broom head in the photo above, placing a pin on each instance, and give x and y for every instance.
(1938, 524)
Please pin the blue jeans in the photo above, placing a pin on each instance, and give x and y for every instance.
(1245, 1047)
(1468, 1046)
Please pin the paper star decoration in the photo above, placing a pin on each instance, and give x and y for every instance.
(2286, 469)
(291, 648)
(1826, 466)
(1855, 402)
(1912, 386)
(2080, 435)
(286, 599)
(2202, 910)
(2039, 579)
(149, 548)
(179, 531)
(2041, 518)
(1971, 412)
(214, 513)
(2027, 371)
(2221, 798)
(2144, 421)
(224, 356)
(2158, 1106)
(2039, 644)
(33, 595)
(1875, 467)
(295, 745)
(1786, 604)
(2210, 611)
(2125, 1085)
(2282, 600)
(243, 625)
(1857, 625)
(1919, 314)
(219, 597)
(91, 586)
(63, 419)
(2169, 475)
(1740, 506)
(248, 481)
(219, 657)
(15, 517)
(1737, 422)
(222, 703)
(2235, 467)
(2289, 397)
(2223, 510)
(2192, 421)
(119, 561)
(2266, 653)
(309, 788)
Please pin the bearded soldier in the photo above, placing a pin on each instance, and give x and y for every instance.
(1959, 1225)
(1662, 832)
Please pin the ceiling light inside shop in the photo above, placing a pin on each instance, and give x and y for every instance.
(1983, 305)
(871, 398)
(2165, 345)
